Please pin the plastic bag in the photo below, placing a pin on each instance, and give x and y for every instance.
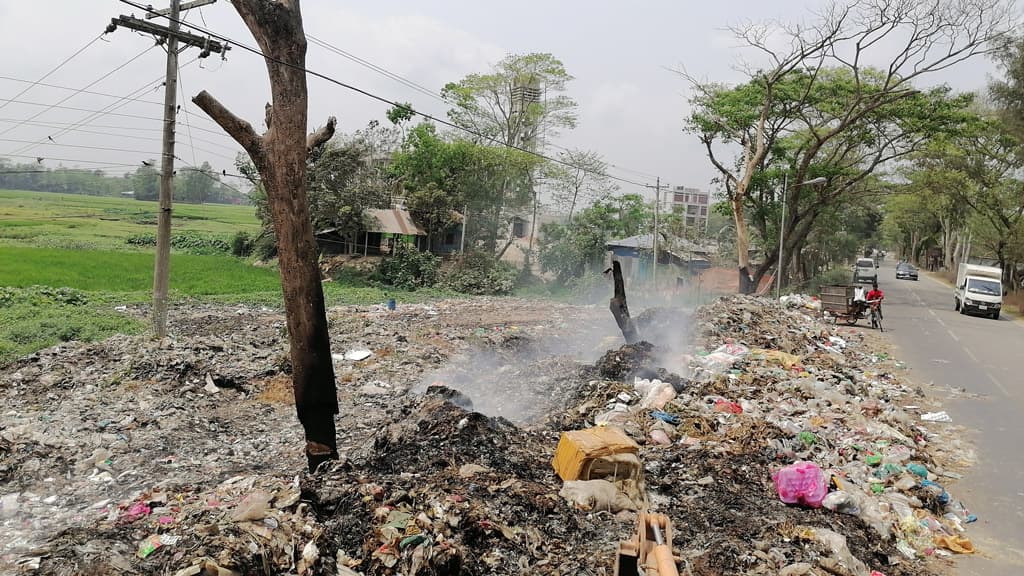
(656, 394)
(801, 483)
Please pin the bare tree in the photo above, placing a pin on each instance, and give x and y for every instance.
(280, 157)
(910, 38)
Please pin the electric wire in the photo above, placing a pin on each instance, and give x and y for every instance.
(55, 69)
(79, 146)
(70, 89)
(184, 108)
(86, 87)
(117, 114)
(155, 138)
(90, 117)
(423, 90)
(377, 97)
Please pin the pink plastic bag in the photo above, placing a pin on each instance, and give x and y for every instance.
(801, 483)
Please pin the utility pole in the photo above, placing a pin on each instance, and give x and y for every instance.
(654, 241)
(782, 235)
(172, 35)
(657, 208)
(162, 268)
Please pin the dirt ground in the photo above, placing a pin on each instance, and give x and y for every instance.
(132, 456)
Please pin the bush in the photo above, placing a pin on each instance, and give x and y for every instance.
(481, 273)
(141, 239)
(590, 287)
(189, 242)
(241, 244)
(408, 268)
(265, 246)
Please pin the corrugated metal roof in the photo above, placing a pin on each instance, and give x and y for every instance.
(392, 221)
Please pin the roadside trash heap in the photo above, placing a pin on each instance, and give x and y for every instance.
(779, 445)
(806, 441)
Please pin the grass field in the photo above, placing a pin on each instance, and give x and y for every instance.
(74, 221)
(31, 319)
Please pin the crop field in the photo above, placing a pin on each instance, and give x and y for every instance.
(67, 263)
(74, 221)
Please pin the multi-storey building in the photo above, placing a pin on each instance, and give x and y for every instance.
(692, 202)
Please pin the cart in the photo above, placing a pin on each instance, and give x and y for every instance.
(839, 302)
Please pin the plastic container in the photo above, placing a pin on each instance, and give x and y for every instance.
(801, 483)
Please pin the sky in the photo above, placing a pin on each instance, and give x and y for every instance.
(623, 56)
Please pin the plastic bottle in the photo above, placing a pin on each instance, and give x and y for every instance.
(841, 502)
(957, 509)
(918, 470)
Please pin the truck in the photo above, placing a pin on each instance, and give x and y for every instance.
(978, 290)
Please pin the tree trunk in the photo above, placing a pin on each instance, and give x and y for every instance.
(746, 284)
(280, 156)
(619, 308)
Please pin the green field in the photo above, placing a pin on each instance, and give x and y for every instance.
(114, 272)
(74, 221)
(50, 241)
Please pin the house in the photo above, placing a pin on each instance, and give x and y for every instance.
(384, 227)
(635, 254)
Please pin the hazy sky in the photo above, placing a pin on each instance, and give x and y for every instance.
(630, 105)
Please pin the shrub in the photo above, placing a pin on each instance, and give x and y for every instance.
(591, 287)
(145, 239)
(189, 242)
(481, 273)
(201, 245)
(408, 268)
(241, 244)
(264, 247)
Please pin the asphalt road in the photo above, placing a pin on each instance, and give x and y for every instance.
(983, 357)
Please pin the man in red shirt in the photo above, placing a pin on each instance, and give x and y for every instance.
(874, 295)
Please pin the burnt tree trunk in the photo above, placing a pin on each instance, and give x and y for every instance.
(619, 308)
(280, 156)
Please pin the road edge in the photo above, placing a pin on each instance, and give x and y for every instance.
(1016, 317)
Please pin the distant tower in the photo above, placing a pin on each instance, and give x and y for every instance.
(526, 92)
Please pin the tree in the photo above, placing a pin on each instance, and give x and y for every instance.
(438, 175)
(1008, 92)
(517, 105)
(146, 182)
(280, 156)
(582, 176)
(792, 95)
(570, 250)
(196, 185)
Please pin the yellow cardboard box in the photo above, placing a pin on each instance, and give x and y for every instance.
(581, 451)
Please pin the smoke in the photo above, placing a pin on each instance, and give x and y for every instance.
(522, 377)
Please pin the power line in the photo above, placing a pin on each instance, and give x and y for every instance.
(62, 159)
(188, 125)
(128, 136)
(423, 90)
(90, 117)
(90, 92)
(379, 69)
(56, 68)
(90, 85)
(118, 114)
(382, 99)
(80, 146)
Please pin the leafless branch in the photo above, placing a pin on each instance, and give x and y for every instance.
(321, 135)
(237, 128)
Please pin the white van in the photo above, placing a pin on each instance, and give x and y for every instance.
(865, 271)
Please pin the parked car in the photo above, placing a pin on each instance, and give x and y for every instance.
(906, 271)
(865, 271)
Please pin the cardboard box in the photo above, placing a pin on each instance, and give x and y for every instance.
(604, 450)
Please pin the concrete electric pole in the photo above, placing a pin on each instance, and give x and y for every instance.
(172, 35)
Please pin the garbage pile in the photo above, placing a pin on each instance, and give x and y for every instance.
(791, 449)
(775, 444)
